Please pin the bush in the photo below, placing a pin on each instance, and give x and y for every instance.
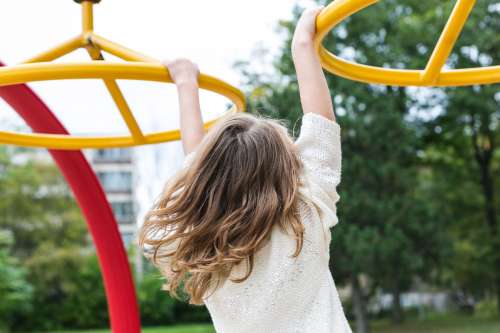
(68, 291)
(486, 308)
(157, 307)
(15, 291)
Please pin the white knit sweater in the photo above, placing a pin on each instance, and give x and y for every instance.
(285, 294)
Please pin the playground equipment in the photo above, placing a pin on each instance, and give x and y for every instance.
(136, 67)
(118, 283)
(432, 75)
(49, 132)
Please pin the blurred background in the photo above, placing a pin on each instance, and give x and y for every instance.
(418, 246)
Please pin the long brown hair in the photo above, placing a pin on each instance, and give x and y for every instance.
(220, 211)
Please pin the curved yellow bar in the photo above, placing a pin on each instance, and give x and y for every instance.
(101, 70)
(339, 10)
(67, 142)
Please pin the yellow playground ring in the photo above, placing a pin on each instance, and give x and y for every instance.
(106, 71)
(136, 67)
(432, 75)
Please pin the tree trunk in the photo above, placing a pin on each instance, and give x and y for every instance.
(397, 310)
(489, 196)
(498, 290)
(483, 158)
(359, 305)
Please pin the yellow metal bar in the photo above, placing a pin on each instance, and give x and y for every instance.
(110, 70)
(67, 142)
(119, 50)
(57, 51)
(339, 10)
(366, 73)
(336, 12)
(400, 77)
(103, 70)
(87, 16)
(119, 99)
(447, 40)
(125, 111)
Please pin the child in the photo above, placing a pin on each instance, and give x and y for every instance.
(244, 227)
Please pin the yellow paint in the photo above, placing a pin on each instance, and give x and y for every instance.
(87, 16)
(136, 67)
(433, 75)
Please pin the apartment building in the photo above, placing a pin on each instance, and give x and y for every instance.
(117, 172)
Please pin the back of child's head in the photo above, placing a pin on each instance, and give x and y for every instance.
(221, 209)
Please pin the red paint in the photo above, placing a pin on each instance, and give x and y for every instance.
(118, 282)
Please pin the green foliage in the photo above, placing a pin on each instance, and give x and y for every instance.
(68, 291)
(157, 307)
(36, 204)
(15, 291)
(51, 242)
(412, 196)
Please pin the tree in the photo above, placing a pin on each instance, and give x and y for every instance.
(467, 127)
(49, 239)
(36, 204)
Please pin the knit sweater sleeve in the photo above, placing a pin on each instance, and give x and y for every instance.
(320, 151)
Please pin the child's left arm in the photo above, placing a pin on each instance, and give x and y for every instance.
(185, 74)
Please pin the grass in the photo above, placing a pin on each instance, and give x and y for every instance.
(445, 324)
(194, 328)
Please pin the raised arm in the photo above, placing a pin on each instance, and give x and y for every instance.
(313, 88)
(185, 74)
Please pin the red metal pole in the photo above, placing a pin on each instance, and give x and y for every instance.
(118, 283)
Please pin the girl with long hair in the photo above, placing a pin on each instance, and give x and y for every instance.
(244, 227)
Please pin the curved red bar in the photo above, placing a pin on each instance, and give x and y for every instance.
(118, 282)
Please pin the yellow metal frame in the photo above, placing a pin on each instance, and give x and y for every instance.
(136, 67)
(432, 75)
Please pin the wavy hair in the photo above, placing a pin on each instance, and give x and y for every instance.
(219, 211)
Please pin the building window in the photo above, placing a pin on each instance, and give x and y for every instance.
(124, 211)
(128, 238)
(116, 181)
(113, 155)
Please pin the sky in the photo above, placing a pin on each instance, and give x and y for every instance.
(214, 34)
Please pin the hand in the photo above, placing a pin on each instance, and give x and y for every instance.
(305, 31)
(182, 71)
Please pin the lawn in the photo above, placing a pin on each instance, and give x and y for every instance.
(195, 328)
(449, 324)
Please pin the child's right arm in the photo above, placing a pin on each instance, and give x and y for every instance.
(185, 74)
(313, 88)
(319, 141)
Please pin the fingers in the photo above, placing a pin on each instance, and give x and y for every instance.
(182, 70)
(179, 62)
(313, 11)
(305, 30)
